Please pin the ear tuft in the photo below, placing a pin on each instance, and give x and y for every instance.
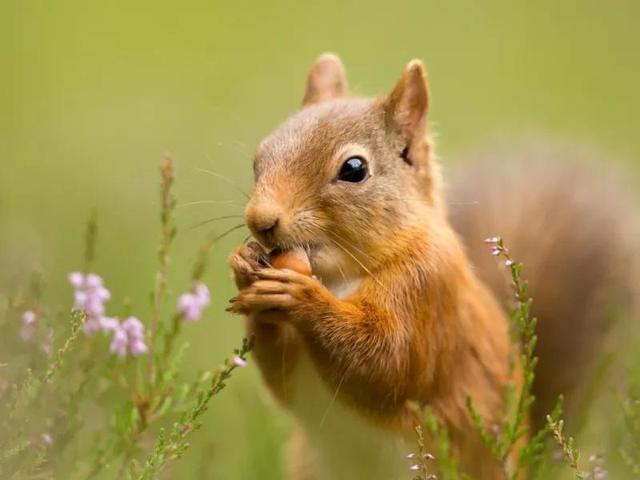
(408, 103)
(326, 80)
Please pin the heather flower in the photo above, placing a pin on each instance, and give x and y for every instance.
(76, 279)
(415, 468)
(90, 295)
(239, 361)
(47, 345)
(191, 304)
(28, 329)
(128, 337)
(119, 342)
(108, 324)
(28, 317)
(47, 439)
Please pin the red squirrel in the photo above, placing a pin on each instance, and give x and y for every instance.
(393, 312)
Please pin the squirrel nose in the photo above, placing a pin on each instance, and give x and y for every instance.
(265, 225)
(263, 220)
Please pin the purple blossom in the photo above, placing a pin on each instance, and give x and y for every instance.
(119, 342)
(76, 279)
(91, 325)
(90, 295)
(47, 439)
(128, 337)
(238, 361)
(191, 304)
(28, 329)
(28, 317)
(508, 263)
(109, 324)
(47, 345)
(415, 468)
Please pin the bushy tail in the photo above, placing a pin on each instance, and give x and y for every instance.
(573, 228)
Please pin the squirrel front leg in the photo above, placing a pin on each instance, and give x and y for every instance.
(357, 346)
(274, 344)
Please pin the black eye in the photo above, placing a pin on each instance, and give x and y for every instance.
(354, 170)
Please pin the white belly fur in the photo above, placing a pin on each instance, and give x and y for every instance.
(345, 445)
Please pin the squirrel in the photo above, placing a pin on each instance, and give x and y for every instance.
(395, 312)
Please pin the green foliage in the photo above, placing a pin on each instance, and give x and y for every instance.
(630, 449)
(505, 440)
(132, 402)
(569, 451)
(514, 426)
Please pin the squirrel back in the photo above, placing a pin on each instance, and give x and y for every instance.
(571, 226)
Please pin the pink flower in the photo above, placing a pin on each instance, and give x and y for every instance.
(91, 325)
(47, 345)
(90, 295)
(191, 304)
(128, 337)
(28, 329)
(76, 279)
(138, 347)
(109, 324)
(28, 317)
(119, 342)
(238, 361)
(92, 280)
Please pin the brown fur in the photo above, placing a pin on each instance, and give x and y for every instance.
(568, 220)
(420, 326)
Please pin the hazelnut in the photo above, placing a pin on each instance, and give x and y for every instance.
(296, 260)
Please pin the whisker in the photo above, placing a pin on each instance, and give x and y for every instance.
(333, 400)
(365, 254)
(344, 277)
(226, 180)
(360, 263)
(226, 232)
(215, 219)
(203, 202)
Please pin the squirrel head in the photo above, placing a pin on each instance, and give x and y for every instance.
(344, 175)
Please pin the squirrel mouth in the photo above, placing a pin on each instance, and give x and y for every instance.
(311, 249)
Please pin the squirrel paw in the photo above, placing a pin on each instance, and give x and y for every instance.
(245, 262)
(279, 290)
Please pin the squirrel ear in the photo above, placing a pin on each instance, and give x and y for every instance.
(326, 80)
(407, 104)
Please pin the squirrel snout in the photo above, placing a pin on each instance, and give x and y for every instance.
(263, 221)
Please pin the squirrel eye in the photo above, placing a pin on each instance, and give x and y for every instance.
(353, 170)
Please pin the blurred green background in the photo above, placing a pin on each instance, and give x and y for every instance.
(93, 93)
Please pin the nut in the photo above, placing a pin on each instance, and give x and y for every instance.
(296, 260)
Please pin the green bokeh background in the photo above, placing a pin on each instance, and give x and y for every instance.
(93, 93)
